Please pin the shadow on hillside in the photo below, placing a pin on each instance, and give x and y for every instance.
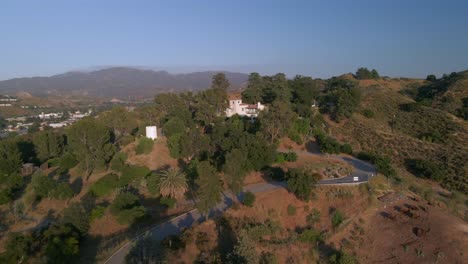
(312, 147)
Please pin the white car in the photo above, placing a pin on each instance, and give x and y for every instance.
(355, 179)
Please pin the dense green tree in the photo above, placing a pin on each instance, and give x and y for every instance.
(342, 98)
(431, 78)
(150, 115)
(220, 82)
(276, 120)
(304, 92)
(89, 141)
(77, 216)
(254, 91)
(260, 152)
(300, 182)
(42, 185)
(10, 157)
(209, 186)
(212, 103)
(18, 248)
(174, 126)
(118, 120)
(67, 161)
(172, 183)
(62, 243)
(364, 74)
(171, 105)
(48, 145)
(281, 87)
(126, 207)
(235, 169)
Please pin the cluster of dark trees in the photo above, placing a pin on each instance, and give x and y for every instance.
(435, 91)
(89, 144)
(365, 74)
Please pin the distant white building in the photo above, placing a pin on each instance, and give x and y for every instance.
(151, 132)
(236, 107)
(50, 115)
(58, 125)
(7, 98)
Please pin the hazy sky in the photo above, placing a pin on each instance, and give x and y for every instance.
(317, 38)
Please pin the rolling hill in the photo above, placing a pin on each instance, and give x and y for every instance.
(120, 82)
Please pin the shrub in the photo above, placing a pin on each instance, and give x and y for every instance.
(431, 78)
(313, 217)
(290, 156)
(42, 185)
(368, 113)
(300, 182)
(292, 210)
(249, 199)
(118, 161)
(327, 144)
(425, 169)
(63, 191)
(410, 107)
(337, 218)
(129, 216)
(280, 158)
(133, 173)
(152, 183)
(145, 146)
(311, 236)
(105, 185)
(382, 164)
(5, 196)
(342, 258)
(275, 173)
(168, 201)
(97, 213)
(268, 258)
(346, 148)
(125, 140)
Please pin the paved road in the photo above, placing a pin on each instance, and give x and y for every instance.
(362, 170)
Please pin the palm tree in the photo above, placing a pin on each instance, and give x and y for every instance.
(172, 183)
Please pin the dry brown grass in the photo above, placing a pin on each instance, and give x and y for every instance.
(158, 158)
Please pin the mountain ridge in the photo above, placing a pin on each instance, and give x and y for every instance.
(117, 82)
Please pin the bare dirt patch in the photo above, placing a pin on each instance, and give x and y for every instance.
(407, 230)
(158, 158)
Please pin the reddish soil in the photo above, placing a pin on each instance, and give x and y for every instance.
(406, 230)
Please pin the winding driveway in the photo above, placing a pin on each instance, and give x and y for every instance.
(362, 170)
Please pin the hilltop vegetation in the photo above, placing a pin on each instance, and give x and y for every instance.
(103, 169)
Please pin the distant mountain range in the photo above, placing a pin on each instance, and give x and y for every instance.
(120, 82)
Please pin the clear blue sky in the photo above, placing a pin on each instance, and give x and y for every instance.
(317, 38)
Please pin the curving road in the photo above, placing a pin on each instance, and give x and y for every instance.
(362, 170)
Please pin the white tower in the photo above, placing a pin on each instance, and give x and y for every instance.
(151, 132)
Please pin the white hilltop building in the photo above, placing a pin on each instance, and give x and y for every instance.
(151, 132)
(236, 107)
